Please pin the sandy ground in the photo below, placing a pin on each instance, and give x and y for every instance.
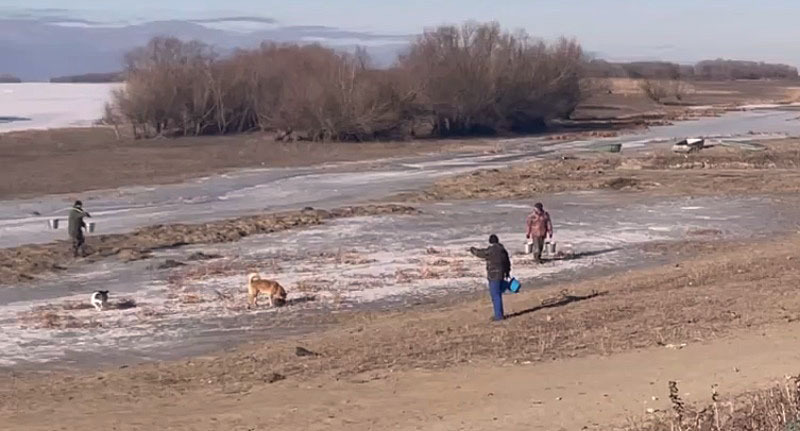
(583, 393)
(592, 356)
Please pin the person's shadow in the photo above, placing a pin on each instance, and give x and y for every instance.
(565, 299)
(582, 254)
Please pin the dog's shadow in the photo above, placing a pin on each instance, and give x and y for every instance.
(299, 300)
(562, 301)
(124, 304)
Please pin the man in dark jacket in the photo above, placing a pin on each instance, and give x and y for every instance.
(76, 227)
(498, 268)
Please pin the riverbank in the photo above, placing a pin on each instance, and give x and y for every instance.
(698, 309)
(79, 160)
(667, 260)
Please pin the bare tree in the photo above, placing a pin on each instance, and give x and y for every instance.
(112, 117)
(660, 90)
(680, 89)
(478, 79)
(654, 90)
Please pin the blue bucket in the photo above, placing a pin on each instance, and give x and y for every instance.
(513, 285)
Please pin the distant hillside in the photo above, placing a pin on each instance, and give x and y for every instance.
(38, 50)
(9, 79)
(94, 78)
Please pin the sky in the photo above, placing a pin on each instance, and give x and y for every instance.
(675, 30)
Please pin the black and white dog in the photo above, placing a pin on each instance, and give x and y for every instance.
(99, 299)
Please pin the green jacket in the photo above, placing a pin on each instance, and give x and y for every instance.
(76, 222)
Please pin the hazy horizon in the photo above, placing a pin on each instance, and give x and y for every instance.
(680, 30)
(45, 38)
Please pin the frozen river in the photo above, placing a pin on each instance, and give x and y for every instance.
(252, 191)
(360, 263)
(350, 264)
(45, 105)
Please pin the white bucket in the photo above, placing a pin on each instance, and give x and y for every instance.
(91, 227)
(528, 247)
(550, 247)
(53, 223)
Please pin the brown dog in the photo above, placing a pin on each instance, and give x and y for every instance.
(271, 288)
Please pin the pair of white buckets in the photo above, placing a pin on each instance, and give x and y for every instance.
(549, 247)
(54, 223)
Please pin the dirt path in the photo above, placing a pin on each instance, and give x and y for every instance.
(591, 392)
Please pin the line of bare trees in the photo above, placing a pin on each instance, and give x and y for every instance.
(715, 70)
(473, 79)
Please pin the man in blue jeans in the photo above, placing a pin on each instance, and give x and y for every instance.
(498, 268)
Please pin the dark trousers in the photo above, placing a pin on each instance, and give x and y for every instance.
(538, 247)
(496, 292)
(78, 243)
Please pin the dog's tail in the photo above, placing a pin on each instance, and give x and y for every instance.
(253, 276)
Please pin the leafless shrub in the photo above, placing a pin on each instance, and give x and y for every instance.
(660, 90)
(167, 87)
(680, 89)
(312, 92)
(654, 90)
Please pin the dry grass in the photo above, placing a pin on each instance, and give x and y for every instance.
(713, 171)
(220, 268)
(54, 320)
(62, 316)
(774, 409)
(715, 92)
(313, 285)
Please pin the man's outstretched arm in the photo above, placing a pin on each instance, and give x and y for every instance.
(479, 252)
